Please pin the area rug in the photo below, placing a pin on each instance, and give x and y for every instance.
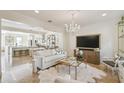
(85, 74)
(17, 73)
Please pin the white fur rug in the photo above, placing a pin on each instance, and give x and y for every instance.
(17, 73)
(84, 74)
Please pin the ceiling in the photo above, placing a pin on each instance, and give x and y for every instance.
(61, 17)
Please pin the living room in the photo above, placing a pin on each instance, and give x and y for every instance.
(48, 46)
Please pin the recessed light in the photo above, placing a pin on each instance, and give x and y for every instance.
(104, 14)
(36, 11)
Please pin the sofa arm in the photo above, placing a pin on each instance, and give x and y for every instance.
(40, 61)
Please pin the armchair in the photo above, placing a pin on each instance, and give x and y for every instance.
(111, 62)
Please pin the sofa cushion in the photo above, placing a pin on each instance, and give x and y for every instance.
(48, 52)
(44, 53)
(53, 57)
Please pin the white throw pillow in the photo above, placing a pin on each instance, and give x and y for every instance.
(60, 51)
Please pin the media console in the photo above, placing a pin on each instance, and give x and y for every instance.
(91, 55)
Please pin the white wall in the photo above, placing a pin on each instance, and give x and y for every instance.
(108, 32)
(0, 52)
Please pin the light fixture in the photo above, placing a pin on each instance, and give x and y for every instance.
(36, 11)
(104, 14)
(72, 27)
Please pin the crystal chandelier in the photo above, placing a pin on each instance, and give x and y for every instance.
(72, 27)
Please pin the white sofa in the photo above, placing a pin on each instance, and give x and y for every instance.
(46, 58)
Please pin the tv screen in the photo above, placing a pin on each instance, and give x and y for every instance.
(88, 41)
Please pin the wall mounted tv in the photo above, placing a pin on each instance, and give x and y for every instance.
(91, 41)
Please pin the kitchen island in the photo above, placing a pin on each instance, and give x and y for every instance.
(24, 51)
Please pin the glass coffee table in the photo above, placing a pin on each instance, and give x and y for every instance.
(70, 62)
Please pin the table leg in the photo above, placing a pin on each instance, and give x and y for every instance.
(33, 65)
(69, 70)
(86, 65)
(76, 73)
(85, 61)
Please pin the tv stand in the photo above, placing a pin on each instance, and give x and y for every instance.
(91, 55)
(86, 49)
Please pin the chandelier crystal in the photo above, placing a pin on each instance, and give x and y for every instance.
(72, 27)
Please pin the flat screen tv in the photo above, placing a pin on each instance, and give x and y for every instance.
(88, 41)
